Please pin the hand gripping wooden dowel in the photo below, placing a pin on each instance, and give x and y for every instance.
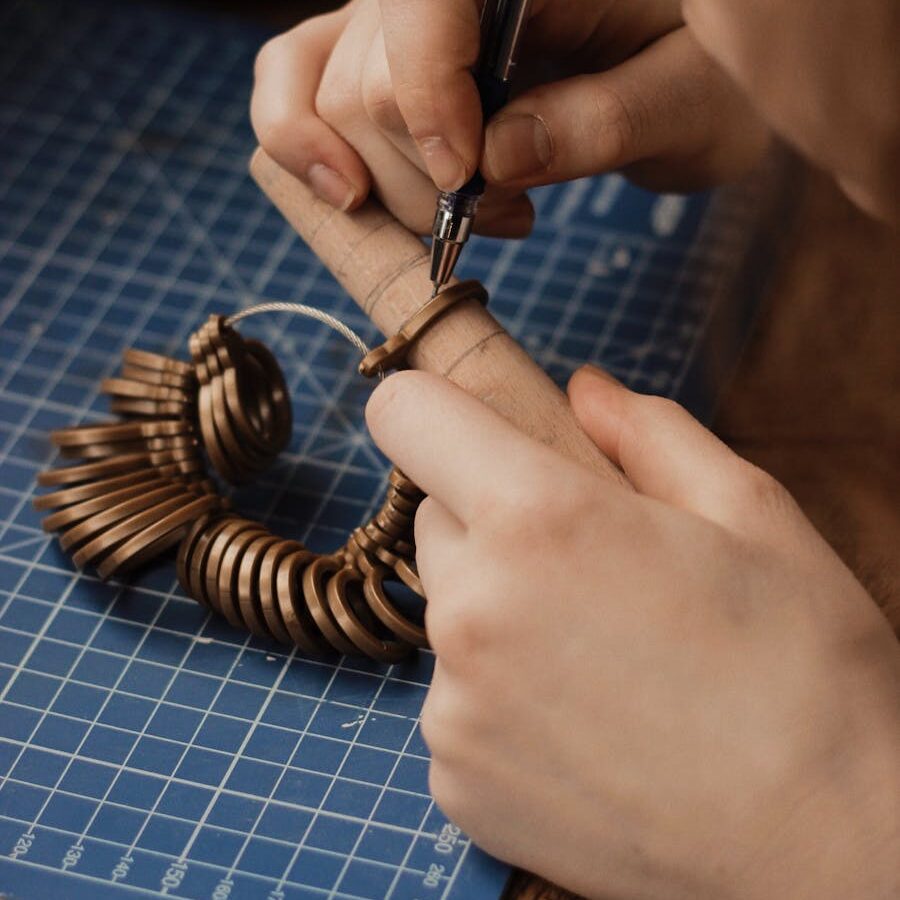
(385, 269)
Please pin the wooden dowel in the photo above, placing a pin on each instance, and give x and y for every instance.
(385, 269)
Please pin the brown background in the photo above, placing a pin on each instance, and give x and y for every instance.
(816, 399)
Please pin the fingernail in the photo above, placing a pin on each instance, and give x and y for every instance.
(444, 165)
(331, 186)
(602, 374)
(516, 147)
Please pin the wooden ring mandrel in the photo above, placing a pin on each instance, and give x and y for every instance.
(385, 269)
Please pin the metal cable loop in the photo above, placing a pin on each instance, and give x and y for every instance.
(310, 312)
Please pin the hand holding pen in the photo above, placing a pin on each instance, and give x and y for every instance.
(382, 96)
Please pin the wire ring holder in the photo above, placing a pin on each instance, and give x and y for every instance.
(140, 487)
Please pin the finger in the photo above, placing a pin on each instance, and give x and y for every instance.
(431, 723)
(380, 102)
(668, 112)
(405, 190)
(453, 446)
(668, 455)
(501, 212)
(282, 110)
(431, 48)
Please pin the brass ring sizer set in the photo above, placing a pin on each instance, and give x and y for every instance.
(141, 487)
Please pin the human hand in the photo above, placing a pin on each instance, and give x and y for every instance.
(826, 75)
(380, 96)
(675, 692)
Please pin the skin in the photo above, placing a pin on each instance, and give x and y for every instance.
(672, 692)
(379, 97)
(827, 78)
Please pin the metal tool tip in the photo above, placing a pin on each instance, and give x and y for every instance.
(434, 290)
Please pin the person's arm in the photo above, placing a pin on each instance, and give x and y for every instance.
(675, 693)
(826, 75)
(380, 95)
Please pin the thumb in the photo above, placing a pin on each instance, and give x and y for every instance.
(668, 455)
(668, 113)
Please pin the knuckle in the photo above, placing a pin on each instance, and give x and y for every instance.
(651, 414)
(422, 526)
(760, 491)
(380, 104)
(445, 790)
(467, 632)
(444, 721)
(518, 511)
(623, 121)
(696, 14)
(276, 130)
(536, 510)
(277, 133)
(265, 55)
(430, 723)
(337, 103)
(331, 106)
(437, 564)
(662, 407)
(417, 107)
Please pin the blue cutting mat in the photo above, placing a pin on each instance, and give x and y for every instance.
(145, 747)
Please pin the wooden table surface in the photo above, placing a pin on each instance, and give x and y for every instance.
(816, 399)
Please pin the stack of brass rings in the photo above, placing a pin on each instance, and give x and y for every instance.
(242, 407)
(140, 487)
(141, 482)
(279, 589)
